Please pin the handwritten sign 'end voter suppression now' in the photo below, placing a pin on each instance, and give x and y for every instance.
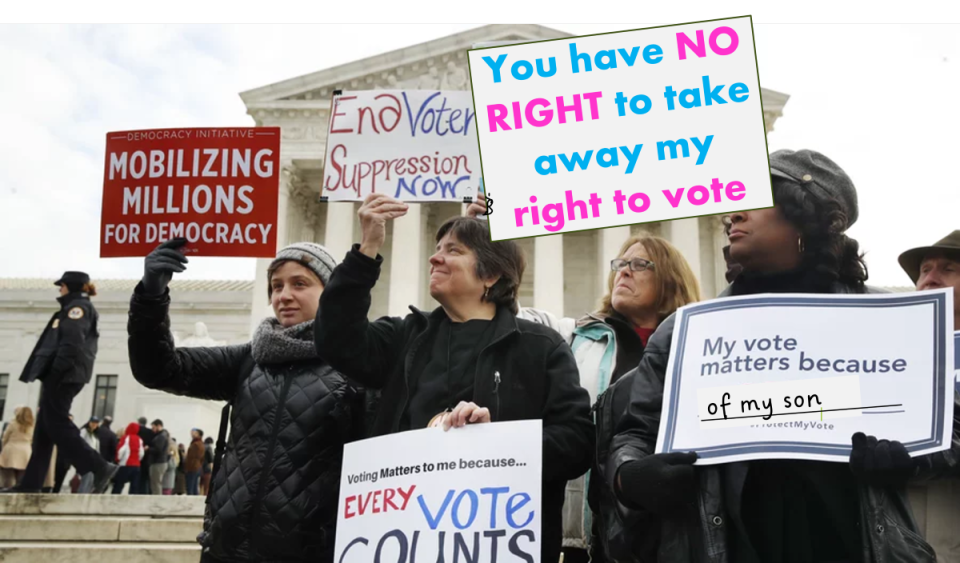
(414, 145)
(216, 187)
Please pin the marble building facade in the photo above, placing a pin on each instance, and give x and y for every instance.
(565, 275)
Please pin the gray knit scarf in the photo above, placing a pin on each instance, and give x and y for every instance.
(274, 344)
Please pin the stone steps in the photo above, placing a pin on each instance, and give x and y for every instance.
(112, 505)
(100, 528)
(98, 552)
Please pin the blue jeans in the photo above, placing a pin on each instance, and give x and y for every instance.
(193, 483)
(86, 484)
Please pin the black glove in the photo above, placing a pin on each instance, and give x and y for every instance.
(881, 463)
(159, 266)
(660, 483)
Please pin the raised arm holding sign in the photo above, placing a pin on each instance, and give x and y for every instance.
(471, 356)
(286, 509)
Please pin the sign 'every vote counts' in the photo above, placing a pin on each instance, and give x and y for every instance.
(621, 128)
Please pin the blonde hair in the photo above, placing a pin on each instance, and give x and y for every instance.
(24, 417)
(676, 284)
(90, 289)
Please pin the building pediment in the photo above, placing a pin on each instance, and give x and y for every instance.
(301, 105)
(772, 100)
(438, 63)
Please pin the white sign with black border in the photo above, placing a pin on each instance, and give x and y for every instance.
(794, 376)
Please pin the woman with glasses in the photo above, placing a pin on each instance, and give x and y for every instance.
(649, 279)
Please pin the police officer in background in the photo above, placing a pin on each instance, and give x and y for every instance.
(63, 361)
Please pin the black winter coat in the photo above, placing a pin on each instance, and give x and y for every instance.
(68, 346)
(888, 530)
(146, 434)
(158, 448)
(527, 372)
(108, 443)
(275, 496)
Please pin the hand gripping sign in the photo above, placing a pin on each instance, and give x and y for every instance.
(216, 187)
(621, 128)
(470, 494)
(956, 358)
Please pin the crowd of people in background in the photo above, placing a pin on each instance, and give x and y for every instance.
(169, 467)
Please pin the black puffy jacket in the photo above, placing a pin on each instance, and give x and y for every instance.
(275, 496)
(68, 346)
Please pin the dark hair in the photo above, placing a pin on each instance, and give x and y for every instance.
(200, 432)
(502, 258)
(157, 422)
(829, 256)
(208, 441)
(733, 269)
(142, 420)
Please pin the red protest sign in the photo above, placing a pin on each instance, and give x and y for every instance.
(217, 187)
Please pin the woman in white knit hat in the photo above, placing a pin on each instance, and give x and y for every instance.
(275, 496)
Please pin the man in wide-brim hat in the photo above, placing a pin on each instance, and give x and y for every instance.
(936, 504)
(935, 267)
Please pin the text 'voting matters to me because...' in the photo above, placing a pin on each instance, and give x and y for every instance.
(471, 494)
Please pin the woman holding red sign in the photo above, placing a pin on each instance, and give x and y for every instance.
(275, 498)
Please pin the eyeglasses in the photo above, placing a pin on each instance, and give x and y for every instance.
(636, 265)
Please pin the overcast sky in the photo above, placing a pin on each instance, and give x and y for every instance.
(878, 99)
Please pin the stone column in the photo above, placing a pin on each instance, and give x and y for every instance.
(610, 241)
(406, 262)
(685, 235)
(287, 178)
(548, 274)
(338, 237)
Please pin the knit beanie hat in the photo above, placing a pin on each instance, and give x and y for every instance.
(312, 255)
